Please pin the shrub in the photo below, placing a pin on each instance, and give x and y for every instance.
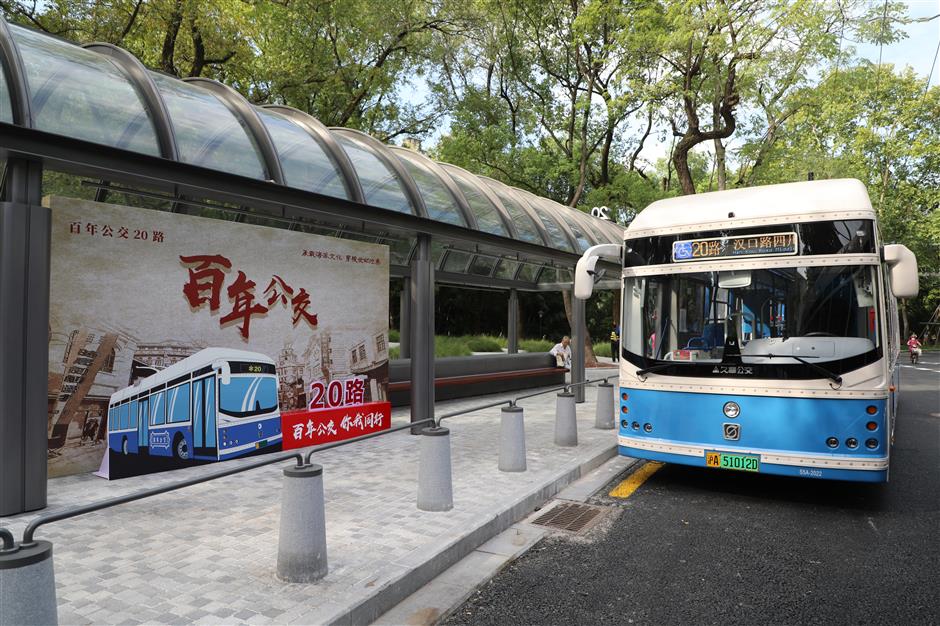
(536, 345)
(451, 346)
(602, 348)
(394, 353)
(394, 335)
(482, 343)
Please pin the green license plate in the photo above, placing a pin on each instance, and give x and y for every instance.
(740, 462)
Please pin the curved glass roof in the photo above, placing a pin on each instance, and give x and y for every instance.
(82, 94)
(110, 99)
(380, 186)
(305, 163)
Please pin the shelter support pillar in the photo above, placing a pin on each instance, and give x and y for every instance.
(512, 332)
(404, 320)
(422, 333)
(578, 335)
(25, 231)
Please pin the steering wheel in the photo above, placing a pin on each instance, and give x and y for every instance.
(819, 334)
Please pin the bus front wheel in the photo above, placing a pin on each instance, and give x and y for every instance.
(124, 446)
(180, 448)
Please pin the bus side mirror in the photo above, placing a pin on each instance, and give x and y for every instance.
(584, 272)
(902, 265)
(225, 371)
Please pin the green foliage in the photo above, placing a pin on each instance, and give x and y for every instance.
(602, 348)
(451, 346)
(394, 353)
(394, 335)
(536, 345)
(484, 343)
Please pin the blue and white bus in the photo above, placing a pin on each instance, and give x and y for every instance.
(760, 331)
(214, 405)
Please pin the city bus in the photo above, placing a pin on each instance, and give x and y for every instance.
(760, 331)
(214, 405)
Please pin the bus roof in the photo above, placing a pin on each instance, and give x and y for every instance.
(842, 198)
(206, 356)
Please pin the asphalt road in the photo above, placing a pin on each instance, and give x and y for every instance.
(708, 547)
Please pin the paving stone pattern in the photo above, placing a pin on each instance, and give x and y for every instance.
(207, 554)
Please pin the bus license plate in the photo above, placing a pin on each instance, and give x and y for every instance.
(740, 462)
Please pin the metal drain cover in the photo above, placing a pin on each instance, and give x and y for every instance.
(571, 516)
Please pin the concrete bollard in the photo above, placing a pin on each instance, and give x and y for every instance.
(566, 422)
(604, 417)
(27, 585)
(301, 549)
(435, 485)
(512, 440)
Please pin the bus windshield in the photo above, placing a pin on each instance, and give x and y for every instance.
(777, 317)
(246, 396)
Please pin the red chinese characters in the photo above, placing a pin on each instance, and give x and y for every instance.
(207, 276)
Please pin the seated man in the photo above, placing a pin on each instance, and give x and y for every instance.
(562, 352)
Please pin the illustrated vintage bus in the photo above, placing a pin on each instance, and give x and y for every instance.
(760, 331)
(214, 405)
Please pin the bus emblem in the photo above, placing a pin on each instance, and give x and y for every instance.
(732, 431)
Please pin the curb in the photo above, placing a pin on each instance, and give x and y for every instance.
(403, 586)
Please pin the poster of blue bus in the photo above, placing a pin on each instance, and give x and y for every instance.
(215, 405)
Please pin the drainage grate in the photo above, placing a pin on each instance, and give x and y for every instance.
(570, 516)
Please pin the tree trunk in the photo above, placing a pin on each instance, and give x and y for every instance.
(720, 164)
(590, 359)
(680, 158)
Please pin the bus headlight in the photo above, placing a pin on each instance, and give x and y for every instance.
(832, 442)
(731, 409)
(871, 444)
(851, 442)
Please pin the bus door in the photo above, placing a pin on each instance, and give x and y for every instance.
(205, 439)
(143, 422)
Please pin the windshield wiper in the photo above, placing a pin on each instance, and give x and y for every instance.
(657, 367)
(819, 368)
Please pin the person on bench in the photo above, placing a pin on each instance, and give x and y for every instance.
(562, 352)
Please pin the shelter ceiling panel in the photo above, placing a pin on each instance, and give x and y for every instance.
(305, 163)
(380, 185)
(82, 94)
(207, 133)
(439, 201)
(485, 209)
(525, 226)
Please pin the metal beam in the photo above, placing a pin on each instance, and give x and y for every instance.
(512, 322)
(578, 335)
(25, 232)
(422, 334)
(15, 71)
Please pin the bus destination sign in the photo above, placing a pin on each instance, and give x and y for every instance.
(765, 244)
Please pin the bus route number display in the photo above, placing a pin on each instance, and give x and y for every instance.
(769, 244)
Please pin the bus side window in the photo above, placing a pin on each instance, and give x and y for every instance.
(112, 412)
(133, 414)
(157, 409)
(178, 404)
(124, 417)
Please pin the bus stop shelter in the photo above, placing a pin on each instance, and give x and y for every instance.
(93, 120)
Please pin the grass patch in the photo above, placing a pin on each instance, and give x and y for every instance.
(484, 343)
(602, 348)
(451, 346)
(536, 345)
(394, 353)
(394, 335)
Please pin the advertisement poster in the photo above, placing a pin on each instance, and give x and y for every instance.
(176, 339)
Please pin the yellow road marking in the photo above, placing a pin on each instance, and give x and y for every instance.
(626, 488)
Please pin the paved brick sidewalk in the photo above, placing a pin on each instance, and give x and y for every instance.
(207, 554)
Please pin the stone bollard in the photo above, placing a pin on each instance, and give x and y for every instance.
(435, 486)
(512, 440)
(27, 585)
(566, 423)
(301, 549)
(604, 417)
